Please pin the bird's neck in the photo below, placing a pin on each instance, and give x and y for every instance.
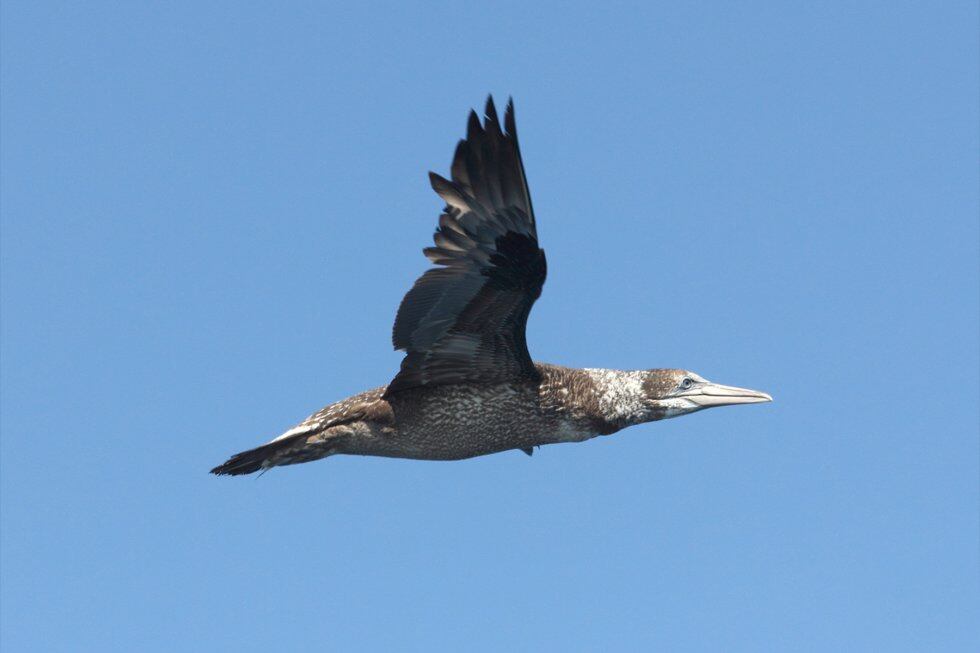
(613, 399)
(621, 396)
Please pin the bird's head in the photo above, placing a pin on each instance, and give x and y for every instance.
(671, 393)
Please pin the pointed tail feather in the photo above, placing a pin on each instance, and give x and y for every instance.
(249, 461)
(282, 451)
(315, 438)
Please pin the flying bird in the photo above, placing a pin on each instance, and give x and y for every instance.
(467, 385)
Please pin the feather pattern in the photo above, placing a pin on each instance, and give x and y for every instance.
(464, 320)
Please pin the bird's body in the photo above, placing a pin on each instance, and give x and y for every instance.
(467, 386)
(451, 422)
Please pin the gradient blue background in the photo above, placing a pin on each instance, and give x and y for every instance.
(211, 212)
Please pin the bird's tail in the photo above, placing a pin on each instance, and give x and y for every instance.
(282, 451)
(249, 461)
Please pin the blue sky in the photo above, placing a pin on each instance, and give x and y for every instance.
(210, 213)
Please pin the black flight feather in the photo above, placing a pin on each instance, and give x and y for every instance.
(464, 320)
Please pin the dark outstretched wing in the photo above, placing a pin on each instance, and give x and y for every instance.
(464, 320)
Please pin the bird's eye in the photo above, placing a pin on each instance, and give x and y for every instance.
(687, 383)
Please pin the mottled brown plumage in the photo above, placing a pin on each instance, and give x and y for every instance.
(467, 385)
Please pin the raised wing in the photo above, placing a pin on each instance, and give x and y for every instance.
(464, 320)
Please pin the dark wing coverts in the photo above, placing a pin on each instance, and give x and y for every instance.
(464, 320)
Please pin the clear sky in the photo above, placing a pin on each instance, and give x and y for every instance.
(210, 214)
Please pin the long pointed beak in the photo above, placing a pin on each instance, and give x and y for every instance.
(713, 394)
